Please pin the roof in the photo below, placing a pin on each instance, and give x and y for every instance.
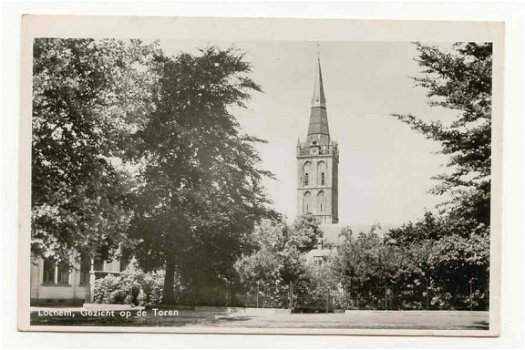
(318, 118)
(318, 121)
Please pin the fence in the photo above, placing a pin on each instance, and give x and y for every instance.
(381, 298)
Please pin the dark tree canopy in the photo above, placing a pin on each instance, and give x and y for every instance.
(200, 188)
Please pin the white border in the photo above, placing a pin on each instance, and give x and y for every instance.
(256, 29)
(512, 289)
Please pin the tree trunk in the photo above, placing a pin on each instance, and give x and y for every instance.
(168, 296)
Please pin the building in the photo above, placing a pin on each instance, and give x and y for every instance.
(318, 162)
(317, 178)
(67, 283)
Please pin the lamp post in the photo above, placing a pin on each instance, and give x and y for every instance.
(386, 298)
(257, 297)
(470, 289)
(427, 292)
(227, 292)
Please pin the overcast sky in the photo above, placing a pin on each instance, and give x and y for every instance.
(385, 167)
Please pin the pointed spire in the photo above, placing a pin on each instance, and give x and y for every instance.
(318, 127)
(318, 98)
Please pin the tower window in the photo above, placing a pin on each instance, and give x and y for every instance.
(306, 179)
(322, 178)
(320, 201)
(306, 202)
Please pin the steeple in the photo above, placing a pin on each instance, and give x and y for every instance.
(318, 98)
(318, 128)
(318, 162)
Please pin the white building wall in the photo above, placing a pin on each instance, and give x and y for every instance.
(74, 291)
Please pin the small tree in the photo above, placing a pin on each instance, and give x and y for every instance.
(278, 265)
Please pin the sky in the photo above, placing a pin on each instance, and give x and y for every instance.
(385, 168)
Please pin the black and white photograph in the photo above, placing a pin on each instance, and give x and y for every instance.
(262, 186)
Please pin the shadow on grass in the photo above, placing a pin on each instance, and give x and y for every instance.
(219, 319)
(480, 325)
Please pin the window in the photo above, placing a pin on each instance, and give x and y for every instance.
(49, 271)
(320, 201)
(124, 262)
(306, 202)
(98, 265)
(62, 273)
(56, 273)
(85, 269)
(321, 171)
(306, 172)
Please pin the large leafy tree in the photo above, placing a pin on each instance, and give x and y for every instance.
(451, 252)
(437, 261)
(89, 96)
(200, 190)
(460, 80)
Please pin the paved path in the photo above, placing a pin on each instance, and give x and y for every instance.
(365, 319)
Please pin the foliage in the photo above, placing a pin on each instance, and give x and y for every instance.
(461, 81)
(425, 270)
(278, 268)
(125, 287)
(439, 261)
(88, 97)
(200, 191)
(367, 268)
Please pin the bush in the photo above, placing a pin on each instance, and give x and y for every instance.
(125, 287)
(109, 290)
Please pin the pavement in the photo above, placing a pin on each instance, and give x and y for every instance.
(448, 320)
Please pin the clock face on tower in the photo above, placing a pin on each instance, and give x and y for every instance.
(314, 151)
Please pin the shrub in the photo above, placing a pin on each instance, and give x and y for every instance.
(109, 290)
(125, 287)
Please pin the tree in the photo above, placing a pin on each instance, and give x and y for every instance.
(443, 262)
(278, 264)
(452, 251)
(460, 80)
(200, 191)
(367, 268)
(89, 96)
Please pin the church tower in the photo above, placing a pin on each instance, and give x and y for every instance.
(318, 162)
